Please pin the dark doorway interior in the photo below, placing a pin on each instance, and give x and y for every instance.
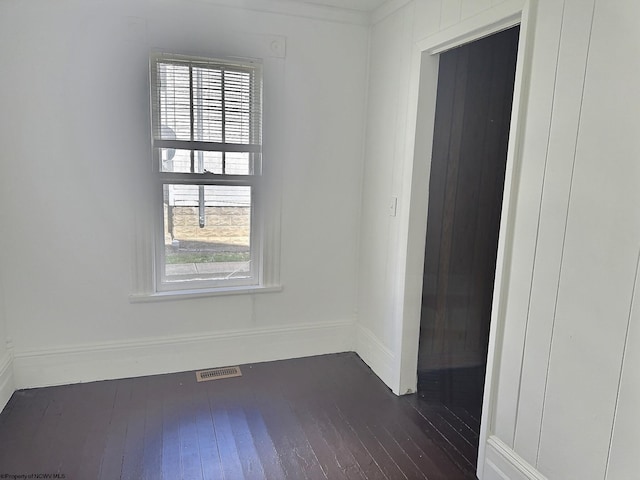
(473, 112)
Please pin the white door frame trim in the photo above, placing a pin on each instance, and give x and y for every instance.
(421, 115)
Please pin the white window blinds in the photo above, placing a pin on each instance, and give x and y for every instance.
(207, 115)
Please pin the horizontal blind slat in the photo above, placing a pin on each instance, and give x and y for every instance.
(176, 81)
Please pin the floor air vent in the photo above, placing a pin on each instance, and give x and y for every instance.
(218, 373)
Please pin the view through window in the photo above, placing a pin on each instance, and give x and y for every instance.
(206, 120)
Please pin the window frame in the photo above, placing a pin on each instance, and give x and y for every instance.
(253, 180)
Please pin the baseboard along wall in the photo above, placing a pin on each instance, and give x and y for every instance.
(375, 354)
(7, 384)
(93, 362)
(503, 463)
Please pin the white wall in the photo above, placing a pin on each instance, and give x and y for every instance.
(559, 403)
(384, 297)
(74, 133)
(379, 231)
(585, 266)
(6, 355)
(76, 157)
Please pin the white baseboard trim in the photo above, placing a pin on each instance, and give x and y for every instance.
(7, 385)
(502, 463)
(375, 354)
(93, 362)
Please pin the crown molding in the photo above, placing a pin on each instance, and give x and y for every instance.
(387, 8)
(298, 9)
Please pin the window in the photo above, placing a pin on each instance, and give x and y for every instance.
(207, 146)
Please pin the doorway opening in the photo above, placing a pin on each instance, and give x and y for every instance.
(466, 185)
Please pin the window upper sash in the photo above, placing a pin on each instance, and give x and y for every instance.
(202, 105)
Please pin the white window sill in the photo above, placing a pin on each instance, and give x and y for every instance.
(200, 293)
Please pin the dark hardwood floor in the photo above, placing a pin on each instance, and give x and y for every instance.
(451, 400)
(326, 417)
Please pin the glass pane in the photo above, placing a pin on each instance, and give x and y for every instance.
(180, 161)
(237, 163)
(174, 100)
(207, 105)
(237, 89)
(207, 232)
(229, 163)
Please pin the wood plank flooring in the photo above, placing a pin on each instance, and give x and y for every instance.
(454, 429)
(451, 401)
(326, 417)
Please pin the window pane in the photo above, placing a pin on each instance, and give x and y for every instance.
(174, 99)
(180, 161)
(237, 163)
(207, 105)
(217, 102)
(237, 88)
(207, 232)
(229, 163)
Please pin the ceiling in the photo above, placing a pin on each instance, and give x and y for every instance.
(360, 5)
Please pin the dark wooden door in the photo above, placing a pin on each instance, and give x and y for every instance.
(473, 112)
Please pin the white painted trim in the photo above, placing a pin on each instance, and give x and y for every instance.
(299, 9)
(502, 463)
(483, 24)
(375, 354)
(505, 238)
(200, 293)
(421, 117)
(489, 21)
(266, 202)
(101, 361)
(387, 8)
(7, 385)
